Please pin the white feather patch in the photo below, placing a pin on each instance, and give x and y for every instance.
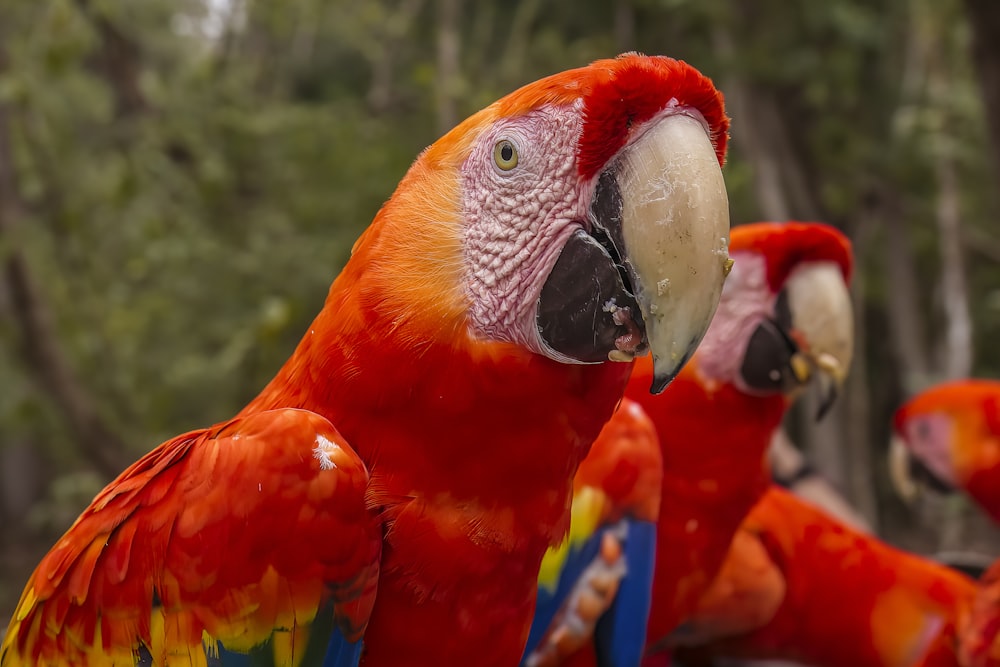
(324, 448)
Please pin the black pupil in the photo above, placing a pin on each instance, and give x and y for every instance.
(506, 152)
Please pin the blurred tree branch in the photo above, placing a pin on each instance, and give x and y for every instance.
(447, 81)
(380, 95)
(906, 322)
(984, 21)
(978, 241)
(42, 355)
(624, 26)
(519, 36)
(117, 60)
(957, 345)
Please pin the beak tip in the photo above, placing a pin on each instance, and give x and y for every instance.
(825, 403)
(664, 371)
(660, 383)
(832, 376)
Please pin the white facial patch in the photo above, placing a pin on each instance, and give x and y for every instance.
(325, 448)
(929, 436)
(517, 221)
(746, 300)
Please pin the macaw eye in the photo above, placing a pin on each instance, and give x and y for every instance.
(505, 155)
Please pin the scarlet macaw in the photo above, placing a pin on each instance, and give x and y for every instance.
(784, 320)
(953, 431)
(801, 585)
(413, 460)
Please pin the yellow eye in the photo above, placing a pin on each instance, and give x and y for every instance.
(505, 155)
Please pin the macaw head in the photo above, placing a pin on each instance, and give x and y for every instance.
(948, 438)
(582, 218)
(785, 317)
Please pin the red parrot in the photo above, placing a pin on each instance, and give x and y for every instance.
(389, 496)
(801, 585)
(953, 431)
(949, 437)
(594, 589)
(784, 321)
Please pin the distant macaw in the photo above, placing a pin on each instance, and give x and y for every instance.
(950, 434)
(953, 431)
(388, 498)
(594, 590)
(801, 585)
(784, 320)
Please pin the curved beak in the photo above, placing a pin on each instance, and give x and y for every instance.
(822, 317)
(675, 233)
(900, 470)
(910, 476)
(830, 377)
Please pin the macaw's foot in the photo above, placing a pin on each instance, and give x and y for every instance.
(573, 627)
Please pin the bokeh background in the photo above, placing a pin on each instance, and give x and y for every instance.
(180, 180)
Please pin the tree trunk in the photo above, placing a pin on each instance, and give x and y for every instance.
(624, 26)
(117, 60)
(906, 321)
(23, 477)
(984, 21)
(380, 95)
(447, 64)
(42, 356)
(957, 347)
(518, 43)
(752, 139)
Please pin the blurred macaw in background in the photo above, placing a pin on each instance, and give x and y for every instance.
(948, 437)
(801, 585)
(389, 496)
(784, 321)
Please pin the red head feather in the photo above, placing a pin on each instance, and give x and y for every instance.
(787, 244)
(978, 400)
(621, 99)
(618, 96)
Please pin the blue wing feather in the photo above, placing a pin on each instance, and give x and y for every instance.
(342, 653)
(327, 647)
(550, 602)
